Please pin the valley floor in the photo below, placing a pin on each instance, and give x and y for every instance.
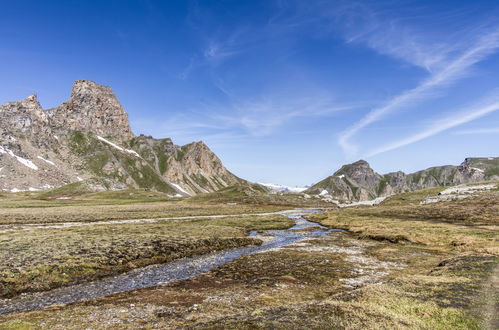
(398, 265)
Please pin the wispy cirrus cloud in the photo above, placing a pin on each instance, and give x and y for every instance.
(240, 120)
(470, 113)
(494, 130)
(263, 116)
(213, 53)
(453, 70)
(445, 45)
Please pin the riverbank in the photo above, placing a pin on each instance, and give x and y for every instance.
(264, 239)
(42, 259)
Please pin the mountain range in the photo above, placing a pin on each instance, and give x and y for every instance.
(88, 142)
(359, 182)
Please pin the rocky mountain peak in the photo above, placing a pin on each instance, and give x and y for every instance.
(24, 116)
(89, 138)
(356, 167)
(87, 91)
(29, 104)
(359, 182)
(93, 108)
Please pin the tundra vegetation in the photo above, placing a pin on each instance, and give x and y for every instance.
(399, 264)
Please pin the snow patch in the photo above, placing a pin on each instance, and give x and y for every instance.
(459, 192)
(179, 188)
(176, 195)
(46, 160)
(15, 190)
(371, 202)
(24, 161)
(79, 179)
(323, 192)
(279, 187)
(341, 176)
(464, 189)
(133, 152)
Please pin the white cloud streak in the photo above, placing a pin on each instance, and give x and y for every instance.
(364, 25)
(478, 131)
(263, 117)
(453, 71)
(474, 112)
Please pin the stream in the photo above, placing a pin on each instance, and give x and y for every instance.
(162, 274)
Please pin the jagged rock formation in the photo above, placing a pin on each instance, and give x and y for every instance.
(359, 182)
(89, 138)
(93, 108)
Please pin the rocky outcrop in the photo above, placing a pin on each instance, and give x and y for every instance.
(359, 182)
(24, 118)
(89, 138)
(93, 108)
(194, 166)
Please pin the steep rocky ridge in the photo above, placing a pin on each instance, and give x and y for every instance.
(88, 138)
(93, 108)
(359, 182)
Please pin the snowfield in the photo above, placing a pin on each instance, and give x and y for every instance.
(459, 192)
(179, 188)
(133, 152)
(278, 187)
(46, 160)
(24, 161)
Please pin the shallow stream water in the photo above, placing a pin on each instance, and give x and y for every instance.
(161, 274)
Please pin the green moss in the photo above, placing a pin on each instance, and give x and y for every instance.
(219, 185)
(352, 187)
(18, 325)
(97, 162)
(180, 153)
(383, 183)
(80, 142)
(162, 162)
(145, 176)
(72, 189)
(433, 172)
(200, 180)
(492, 171)
(416, 177)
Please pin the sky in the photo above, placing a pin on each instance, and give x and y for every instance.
(282, 91)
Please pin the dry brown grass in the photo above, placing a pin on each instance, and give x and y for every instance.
(20, 212)
(431, 265)
(468, 225)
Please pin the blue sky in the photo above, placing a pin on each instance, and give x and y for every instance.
(283, 91)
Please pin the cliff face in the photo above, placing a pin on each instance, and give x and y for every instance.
(89, 138)
(93, 108)
(359, 182)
